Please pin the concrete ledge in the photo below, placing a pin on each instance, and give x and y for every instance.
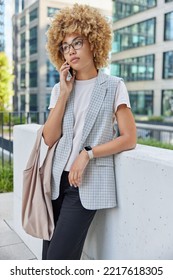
(140, 227)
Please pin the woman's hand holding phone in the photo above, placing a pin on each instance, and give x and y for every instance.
(67, 78)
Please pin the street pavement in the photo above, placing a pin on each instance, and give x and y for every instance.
(11, 245)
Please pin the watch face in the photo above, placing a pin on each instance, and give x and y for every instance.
(88, 148)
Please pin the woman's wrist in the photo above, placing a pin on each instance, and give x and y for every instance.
(85, 154)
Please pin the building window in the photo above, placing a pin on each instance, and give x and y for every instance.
(125, 8)
(33, 40)
(141, 102)
(136, 35)
(168, 26)
(52, 75)
(134, 69)
(22, 22)
(168, 65)
(33, 14)
(22, 76)
(51, 11)
(33, 102)
(33, 74)
(22, 102)
(167, 103)
(168, 1)
(22, 44)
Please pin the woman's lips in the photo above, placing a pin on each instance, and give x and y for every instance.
(74, 60)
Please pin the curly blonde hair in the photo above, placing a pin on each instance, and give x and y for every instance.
(86, 21)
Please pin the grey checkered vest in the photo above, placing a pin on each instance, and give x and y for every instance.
(98, 188)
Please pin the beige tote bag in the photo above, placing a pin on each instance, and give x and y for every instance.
(37, 213)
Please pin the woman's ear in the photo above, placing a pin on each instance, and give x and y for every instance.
(91, 47)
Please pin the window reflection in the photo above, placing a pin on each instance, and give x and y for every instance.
(22, 76)
(22, 45)
(33, 40)
(52, 75)
(33, 14)
(136, 35)
(168, 65)
(168, 26)
(134, 69)
(33, 102)
(141, 102)
(167, 103)
(125, 8)
(33, 74)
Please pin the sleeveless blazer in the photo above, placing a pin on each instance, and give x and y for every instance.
(98, 187)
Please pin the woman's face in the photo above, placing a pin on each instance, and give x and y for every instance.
(78, 52)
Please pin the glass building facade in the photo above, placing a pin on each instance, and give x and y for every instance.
(167, 103)
(33, 74)
(136, 35)
(22, 75)
(141, 102)
(22, 102)
(33, 14)
(52, 75)
(168, 26)
(134, 69)
(33, 40)
(168, 65)
(22, 22)
(126, 8)
(142, 54)
(33, 102)
(22, 45)
(51, 11)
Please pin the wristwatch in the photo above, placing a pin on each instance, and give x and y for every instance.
(89, 151)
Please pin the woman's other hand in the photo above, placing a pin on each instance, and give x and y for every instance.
(77, 169)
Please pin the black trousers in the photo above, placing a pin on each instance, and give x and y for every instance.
(72, 222)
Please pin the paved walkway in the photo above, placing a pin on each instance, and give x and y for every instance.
(11, 245)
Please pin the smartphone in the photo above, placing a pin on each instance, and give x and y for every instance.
(70, 74)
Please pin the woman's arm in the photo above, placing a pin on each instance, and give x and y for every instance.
(126, 141)
(53, 126)
(127, 138)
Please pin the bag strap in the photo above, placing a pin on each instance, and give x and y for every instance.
(35, 153)
(39, 137)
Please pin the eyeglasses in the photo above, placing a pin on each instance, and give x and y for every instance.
(77, 44)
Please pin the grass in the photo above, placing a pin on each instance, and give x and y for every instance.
(155, 143)
(6, 178)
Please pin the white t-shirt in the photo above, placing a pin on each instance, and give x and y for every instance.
(83, 90)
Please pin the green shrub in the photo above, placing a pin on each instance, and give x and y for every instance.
(155, 143)
(6, 178)
(156, 118)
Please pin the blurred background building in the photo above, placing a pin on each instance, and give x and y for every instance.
(2, 35)
(143, 53)
(34, 74)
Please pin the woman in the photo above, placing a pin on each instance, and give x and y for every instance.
(83, 110)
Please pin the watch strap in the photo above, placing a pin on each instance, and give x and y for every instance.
(90, 154)
(89, 151)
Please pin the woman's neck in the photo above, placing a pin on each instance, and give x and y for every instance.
(86, 75)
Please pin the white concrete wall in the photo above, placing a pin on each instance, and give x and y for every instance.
(140, 227)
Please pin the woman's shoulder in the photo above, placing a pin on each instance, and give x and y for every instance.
(115, 78)
(56, 88)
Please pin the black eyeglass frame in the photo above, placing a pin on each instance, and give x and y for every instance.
(71, 45)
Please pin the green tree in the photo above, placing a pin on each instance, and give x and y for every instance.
(6, 79)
